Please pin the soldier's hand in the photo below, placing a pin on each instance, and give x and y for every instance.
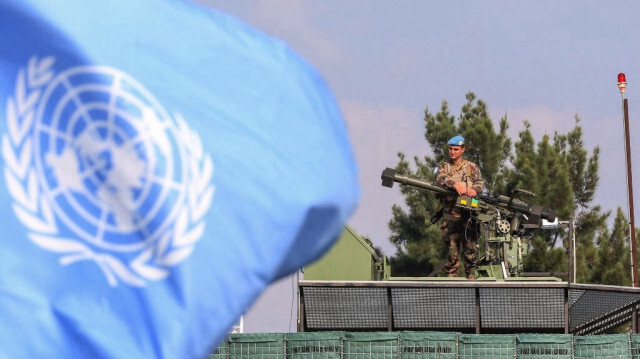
(460, 188)
(472, 192)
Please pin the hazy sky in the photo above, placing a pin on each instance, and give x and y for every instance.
(386, 61)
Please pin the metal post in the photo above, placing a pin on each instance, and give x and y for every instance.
(573, 240)
(478, 319)
(389, 311)
(301, 321)
(572, 253)
(622, 85)
(632, 227)
(297, 300)
(566, 310)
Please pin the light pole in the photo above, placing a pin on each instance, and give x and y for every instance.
(622, 85)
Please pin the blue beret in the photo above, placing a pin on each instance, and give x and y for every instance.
(456, 141)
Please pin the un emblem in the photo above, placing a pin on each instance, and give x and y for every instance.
(99, 171)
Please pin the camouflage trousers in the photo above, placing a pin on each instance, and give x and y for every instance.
(460, 235)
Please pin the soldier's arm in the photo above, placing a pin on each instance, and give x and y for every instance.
(442, 178)
(477, 183)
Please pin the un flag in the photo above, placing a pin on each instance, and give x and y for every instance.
(162, 164)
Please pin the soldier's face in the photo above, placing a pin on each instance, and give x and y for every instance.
(455, 152)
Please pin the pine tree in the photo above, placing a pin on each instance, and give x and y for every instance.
(590, 227)
(590, 220)
(614, 262)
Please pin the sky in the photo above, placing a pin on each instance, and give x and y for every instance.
(386, 61)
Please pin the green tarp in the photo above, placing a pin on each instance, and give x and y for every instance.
(425, 345)
(602, 346)
(634, 346)
(486, 346)
(544, 346)
(256, 346)
(381, 345)
(428, 345)
(320, 345)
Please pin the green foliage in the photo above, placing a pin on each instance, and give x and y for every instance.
(376, 249)
(558, 169)
(409, 228)
(404, 264)
(589, 227)
(543, 258)
(543, 170)
(614, 259)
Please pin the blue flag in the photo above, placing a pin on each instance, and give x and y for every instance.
(163, 163)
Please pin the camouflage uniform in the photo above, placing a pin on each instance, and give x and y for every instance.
(458, 233)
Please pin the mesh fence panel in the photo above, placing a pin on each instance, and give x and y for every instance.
(505, 309)
(323, 345)
(486, 346)
(432, 308)
(601, 346)
(346, 308)
(428, 345)
(370, 346)
(256, 346)
(522, 307)
(589, 308)
(544, 346)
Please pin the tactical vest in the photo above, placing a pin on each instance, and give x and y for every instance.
(460, 172)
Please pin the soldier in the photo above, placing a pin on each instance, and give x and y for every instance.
(458, 231)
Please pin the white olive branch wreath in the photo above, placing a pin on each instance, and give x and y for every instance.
(34, 211)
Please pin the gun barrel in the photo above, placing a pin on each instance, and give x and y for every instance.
(389, 176)
(534, 212)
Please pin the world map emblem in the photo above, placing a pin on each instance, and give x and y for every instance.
(99, 171)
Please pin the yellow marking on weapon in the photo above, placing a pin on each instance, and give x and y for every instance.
(463, 202)
(474, 203)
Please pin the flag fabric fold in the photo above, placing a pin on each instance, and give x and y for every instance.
(163, 163)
